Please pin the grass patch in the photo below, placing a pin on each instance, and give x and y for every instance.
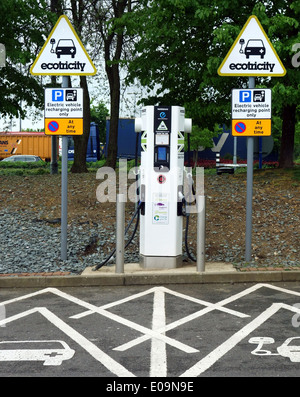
(296, 173)
(22, 168)
(22, 164)
(41, 168)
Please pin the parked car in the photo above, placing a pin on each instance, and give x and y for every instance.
(26, 158)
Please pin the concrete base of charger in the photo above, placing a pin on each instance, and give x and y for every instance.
(160, 262)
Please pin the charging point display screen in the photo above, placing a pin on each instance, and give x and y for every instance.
(161, 153)
(162, 158)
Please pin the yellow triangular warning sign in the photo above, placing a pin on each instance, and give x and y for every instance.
(63, 54)
(252, 54)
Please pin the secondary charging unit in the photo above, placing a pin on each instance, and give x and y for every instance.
(161, 185)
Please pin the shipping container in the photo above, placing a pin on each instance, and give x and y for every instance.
(126, 139)
(33, 143)
(94, 150)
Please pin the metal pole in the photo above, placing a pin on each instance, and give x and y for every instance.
(201, 233)
(234, 150)
(53, 164)
(260, 151)
(64, 187)
(120, 233)
(250, 150)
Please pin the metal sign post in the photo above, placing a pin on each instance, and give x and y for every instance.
(252, 54)
(64, 187)
(63, 42)
(64, 117)
(2, 55)
(250, 151)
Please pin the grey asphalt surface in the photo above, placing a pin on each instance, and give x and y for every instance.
(111, 332)
(45, 311)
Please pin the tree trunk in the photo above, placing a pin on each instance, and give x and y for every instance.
(81, 141)
(114, 83)
(55, 7)
(288, 136)
(113, 45)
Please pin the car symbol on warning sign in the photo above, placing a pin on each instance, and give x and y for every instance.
(63, 53)
(253, 47)
(252, 54)
(65, 47)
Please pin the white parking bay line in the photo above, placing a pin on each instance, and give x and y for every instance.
(205, 363)
(158, 362)
(98, 354)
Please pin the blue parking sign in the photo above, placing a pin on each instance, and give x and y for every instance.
(57, 95)
(245, 96)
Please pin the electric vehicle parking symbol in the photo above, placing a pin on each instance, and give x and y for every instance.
(71, 95)
(253, 47)
(64, 47)
(161, 179)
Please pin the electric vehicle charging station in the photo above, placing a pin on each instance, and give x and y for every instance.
(161, 185)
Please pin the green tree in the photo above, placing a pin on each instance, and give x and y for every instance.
(283, 30)
(101, 22)
(99, 113)
(280, 20)
(22, 29)
(182, 43)
(172, 51)
(79, 17)
(107, 17)
(200, 137)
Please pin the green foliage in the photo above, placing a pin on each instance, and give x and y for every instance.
(297, 141)
(22, 164)
(99, 113)
(181, 44)
(296, 174)
(201, 137)
(95, 165)
(176, 53)
(24, 168)
(22, 30)
(40, 167)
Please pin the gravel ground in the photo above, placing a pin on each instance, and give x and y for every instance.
(32, 245)
(30, 222)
